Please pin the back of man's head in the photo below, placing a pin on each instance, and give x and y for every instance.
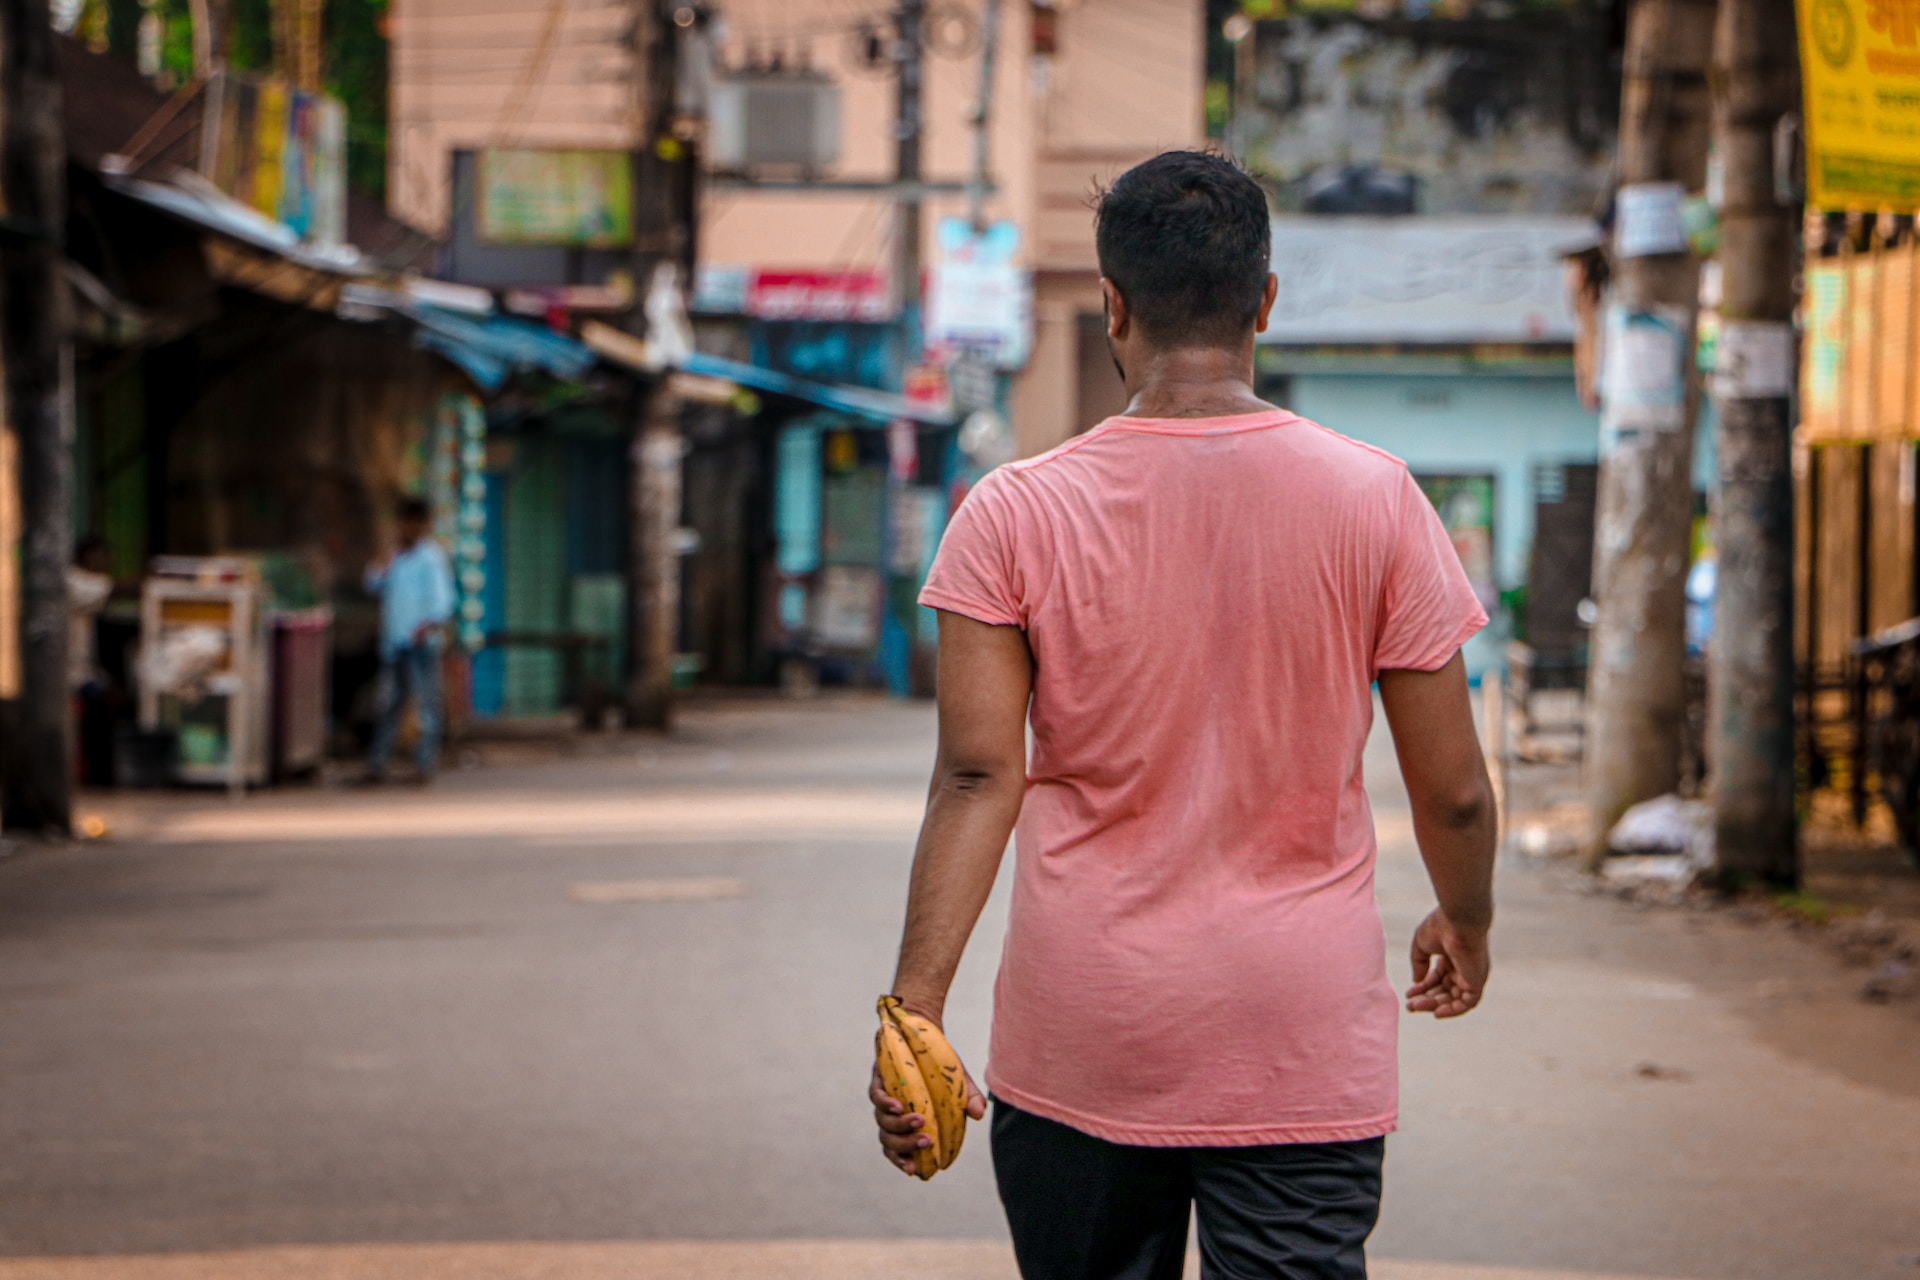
(1185, 239)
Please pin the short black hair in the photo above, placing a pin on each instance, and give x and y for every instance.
(414, 509)
(1186, 239)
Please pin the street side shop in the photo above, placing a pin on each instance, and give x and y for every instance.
(255, 390)
(1856, 574)
(814, 499)
(1856, 535)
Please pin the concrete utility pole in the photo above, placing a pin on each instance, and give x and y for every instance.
(983, 115)
(908, 21)
(663, 213)
(36, 755)
(1636, 680)
(1756, 80)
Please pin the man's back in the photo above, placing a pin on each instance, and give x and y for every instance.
(1207, 602)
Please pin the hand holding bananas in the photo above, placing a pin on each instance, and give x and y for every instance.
(922, 1096)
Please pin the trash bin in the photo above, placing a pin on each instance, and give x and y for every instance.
(302, 641)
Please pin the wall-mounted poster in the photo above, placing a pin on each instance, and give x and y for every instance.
(1465, 504)
(847, 609)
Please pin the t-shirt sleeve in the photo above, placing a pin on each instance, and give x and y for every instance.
(975, 572)
(1427, 606)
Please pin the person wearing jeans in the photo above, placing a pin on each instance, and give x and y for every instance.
(415, 586)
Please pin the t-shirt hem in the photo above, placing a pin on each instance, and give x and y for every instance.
(1138, 1135)
(1438, 656)
(935, 598)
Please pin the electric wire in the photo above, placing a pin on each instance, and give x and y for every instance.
(519, 105)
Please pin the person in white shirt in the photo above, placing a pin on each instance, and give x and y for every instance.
(417, 598)
(89, 583)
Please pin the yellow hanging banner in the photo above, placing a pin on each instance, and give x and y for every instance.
(1860, 70)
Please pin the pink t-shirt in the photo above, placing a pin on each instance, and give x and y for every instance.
(1193, 955)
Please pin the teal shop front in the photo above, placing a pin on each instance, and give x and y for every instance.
(858, 509)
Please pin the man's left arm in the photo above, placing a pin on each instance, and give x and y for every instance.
(979, 779)
(1456, 826)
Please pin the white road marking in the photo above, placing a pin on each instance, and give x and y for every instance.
(666, 890)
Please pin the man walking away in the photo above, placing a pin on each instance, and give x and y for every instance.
(1192, 602)
(415, 587)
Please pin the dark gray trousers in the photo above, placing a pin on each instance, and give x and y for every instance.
(1082, 1208)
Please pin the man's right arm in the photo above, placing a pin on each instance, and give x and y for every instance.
(1455, 823)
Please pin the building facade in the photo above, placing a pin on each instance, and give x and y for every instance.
(816, 489)
(1081, 91)
(1431, 168)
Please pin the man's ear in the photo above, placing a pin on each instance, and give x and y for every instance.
(1119, 319)
(1267, 295)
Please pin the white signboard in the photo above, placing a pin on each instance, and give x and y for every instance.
(978, 301)
(1439, 280)
(1643, 374)
(985, 308)
(1648, 221)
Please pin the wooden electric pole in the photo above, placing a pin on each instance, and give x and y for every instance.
(983, 116)
(1636, 711)
(1756, 78)
(36, 756)
(663, 215)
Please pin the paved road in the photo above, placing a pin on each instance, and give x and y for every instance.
(609, 1016)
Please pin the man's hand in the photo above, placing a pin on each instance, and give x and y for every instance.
(900, 1134)
(425, 632)
(1450, 968)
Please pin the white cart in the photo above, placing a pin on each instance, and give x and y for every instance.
(223, 729)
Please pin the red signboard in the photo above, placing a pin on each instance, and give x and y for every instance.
(819, 295)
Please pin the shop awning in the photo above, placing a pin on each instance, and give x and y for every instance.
(878, 406)
(211, 210)
(492, 348)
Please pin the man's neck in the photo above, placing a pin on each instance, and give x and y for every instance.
(1192, 382)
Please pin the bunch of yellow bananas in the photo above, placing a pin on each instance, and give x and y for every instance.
(922, 1073)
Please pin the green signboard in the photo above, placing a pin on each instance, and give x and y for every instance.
(580, 198)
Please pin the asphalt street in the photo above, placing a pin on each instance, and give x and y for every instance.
(611, 1015)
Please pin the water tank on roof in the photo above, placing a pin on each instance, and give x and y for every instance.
(774, 119)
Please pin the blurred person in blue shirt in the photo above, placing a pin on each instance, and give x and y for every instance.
(1702, 581)
(417, 599)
